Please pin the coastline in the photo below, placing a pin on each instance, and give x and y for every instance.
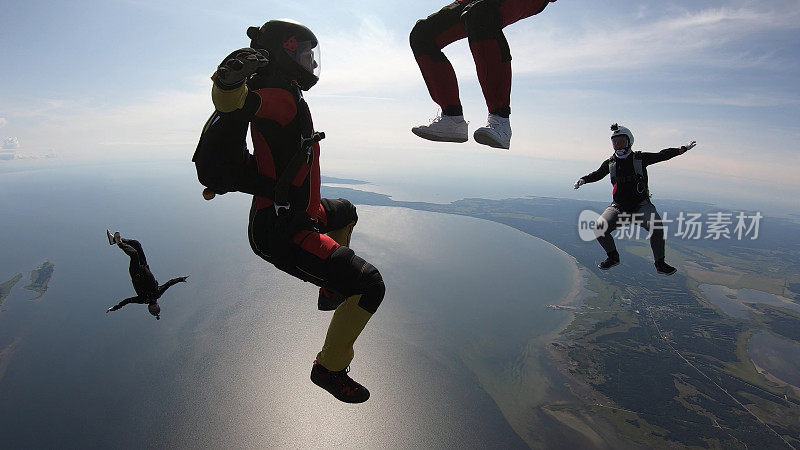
(525, 388)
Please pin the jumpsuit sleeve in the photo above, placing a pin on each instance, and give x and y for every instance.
(238, 99)
(268, 103)
(125, 302)
(663, 155)
(598, 174)
(228, 100)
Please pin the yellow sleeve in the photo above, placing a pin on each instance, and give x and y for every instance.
(228, 100)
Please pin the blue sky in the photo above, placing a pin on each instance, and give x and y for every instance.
(116, 80)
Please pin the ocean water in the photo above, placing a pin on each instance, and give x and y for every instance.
(228, 363)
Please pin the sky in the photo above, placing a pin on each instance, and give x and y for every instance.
(129, 80)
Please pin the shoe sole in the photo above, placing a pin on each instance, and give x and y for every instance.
(613, 265)
(437, 138)
(487, 139)
(666, 273)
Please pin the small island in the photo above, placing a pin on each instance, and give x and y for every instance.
(5, 288)
(40, 278)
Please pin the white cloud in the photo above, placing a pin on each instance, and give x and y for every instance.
(368, 59)
(741, 99)
(11, 143)
(708, 37)
(3, 121)
(161, 124)
(374, 60)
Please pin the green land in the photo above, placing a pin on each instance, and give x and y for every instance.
(648, 360)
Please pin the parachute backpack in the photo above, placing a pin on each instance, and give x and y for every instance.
(223, 162)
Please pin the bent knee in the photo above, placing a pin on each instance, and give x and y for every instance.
(422, 40)
(350, 210)
(373, 289)
(339, 212)
(352, 275)
(603, 228)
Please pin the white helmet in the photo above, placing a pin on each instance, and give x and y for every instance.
(617, 130)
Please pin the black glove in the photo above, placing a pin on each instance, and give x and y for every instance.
(239, 65)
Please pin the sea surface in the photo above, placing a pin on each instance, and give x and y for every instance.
(228, 363)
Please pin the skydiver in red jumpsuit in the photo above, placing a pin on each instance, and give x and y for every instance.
(482, 23)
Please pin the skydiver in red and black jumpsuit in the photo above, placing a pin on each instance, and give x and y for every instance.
(308, 238)
(482, 23)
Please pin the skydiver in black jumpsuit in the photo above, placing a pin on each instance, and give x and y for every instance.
(144, 283)
(631, 195)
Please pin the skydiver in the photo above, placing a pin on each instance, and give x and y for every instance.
(482, 23)
(144, 283)
(631, 195)
(294, 229)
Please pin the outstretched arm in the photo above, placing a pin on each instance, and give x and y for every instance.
(667, 153)
(124, 302)
(597, 175)
(169, 284)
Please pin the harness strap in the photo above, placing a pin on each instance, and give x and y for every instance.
(637, 164)
(638, 169)
(612, 169)
(304, 155)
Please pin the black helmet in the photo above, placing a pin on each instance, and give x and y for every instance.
(154, 309)
(293, 49)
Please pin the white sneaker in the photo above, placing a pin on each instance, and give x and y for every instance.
(496, 133)
(444, 129)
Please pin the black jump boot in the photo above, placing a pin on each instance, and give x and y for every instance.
(611, 261)
(329, 301)
(662, 267)
(339, 384)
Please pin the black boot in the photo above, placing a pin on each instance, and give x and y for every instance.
(329, 301)
(662, 267)
(611, 261)
(339, 384)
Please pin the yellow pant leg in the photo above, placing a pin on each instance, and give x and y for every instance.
(348, 321)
